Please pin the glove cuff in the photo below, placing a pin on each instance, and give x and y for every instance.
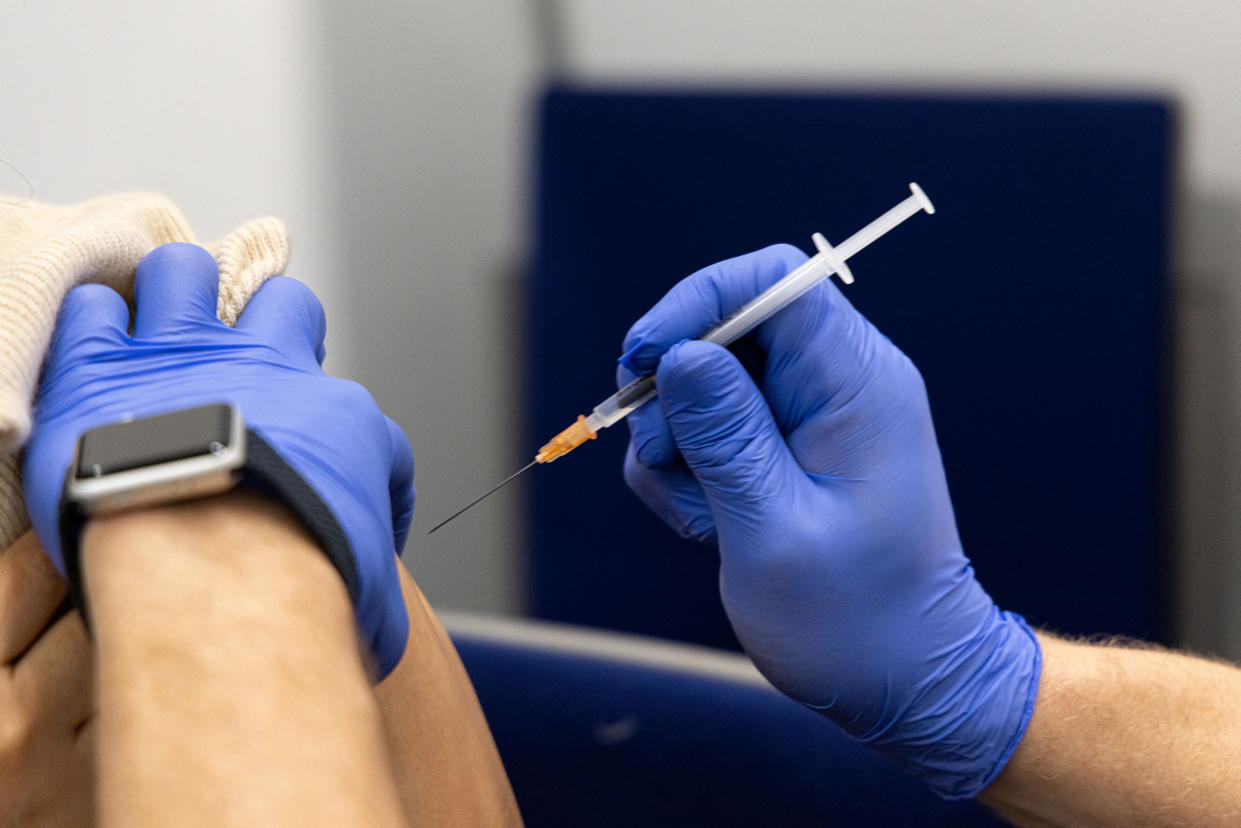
(962, 727)
(972, 719)
(1026, 688)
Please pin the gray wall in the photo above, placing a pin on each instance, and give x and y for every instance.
(428, 128)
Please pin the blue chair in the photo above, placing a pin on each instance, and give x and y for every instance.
(599, 729)
(1034, 302)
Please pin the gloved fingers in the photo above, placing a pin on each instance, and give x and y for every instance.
(674, 495)
(285, 313)
(837, 387)
(400, 484)
(725, 431)
(703, 300)
(819, 349)
(89, 312)
(821, 353)
(176, 285)
(649, 437)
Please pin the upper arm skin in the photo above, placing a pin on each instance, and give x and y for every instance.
(447, 768)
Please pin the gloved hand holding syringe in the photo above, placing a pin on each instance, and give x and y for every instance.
(821, 266)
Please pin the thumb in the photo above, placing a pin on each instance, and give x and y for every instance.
(724, 430)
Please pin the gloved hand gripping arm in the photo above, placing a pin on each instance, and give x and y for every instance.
(328, 431)
(820, 478)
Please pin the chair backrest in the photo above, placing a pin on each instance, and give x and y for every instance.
(1034, 302)
(605, 730)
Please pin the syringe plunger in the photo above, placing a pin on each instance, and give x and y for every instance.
(827, 261)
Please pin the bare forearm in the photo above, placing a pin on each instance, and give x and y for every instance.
(231, 690)
(1126, 737)
(447, 767)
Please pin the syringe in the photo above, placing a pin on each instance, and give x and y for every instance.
(822, 265)
(827, 261)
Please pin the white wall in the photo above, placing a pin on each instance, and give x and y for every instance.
(214, 104)
(1189, 48)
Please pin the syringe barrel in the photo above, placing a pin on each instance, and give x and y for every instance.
(616, 407)
(752, 314)
(811, 272)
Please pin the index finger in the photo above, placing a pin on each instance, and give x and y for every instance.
(703, 300)
(30, 592)
(176, 285)
(286, 314)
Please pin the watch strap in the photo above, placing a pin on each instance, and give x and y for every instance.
(267, 472)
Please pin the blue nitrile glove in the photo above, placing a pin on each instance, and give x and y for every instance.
(329, 430)
(840, 566)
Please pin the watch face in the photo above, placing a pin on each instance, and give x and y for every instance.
(164, 438)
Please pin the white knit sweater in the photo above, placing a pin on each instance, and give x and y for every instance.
(45, 250)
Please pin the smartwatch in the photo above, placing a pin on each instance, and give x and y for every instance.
(182, 455)
(161, 459)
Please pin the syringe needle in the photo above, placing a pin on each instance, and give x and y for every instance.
(826, 262)
(476, 501)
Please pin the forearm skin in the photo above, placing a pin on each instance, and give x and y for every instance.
(230, 687)
(1126, 737)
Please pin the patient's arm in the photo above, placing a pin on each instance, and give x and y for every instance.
(46, 774)
(1126, 737)
(447, 767)
(230, 686)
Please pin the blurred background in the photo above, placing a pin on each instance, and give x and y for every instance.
(398, 141)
